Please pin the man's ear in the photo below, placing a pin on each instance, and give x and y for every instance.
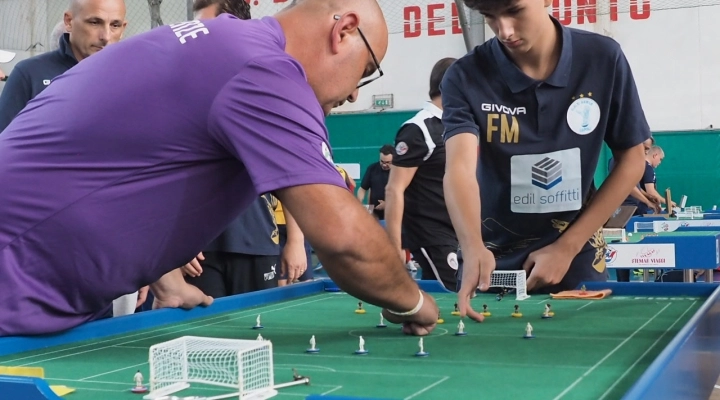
(67, 20)
(345, 25)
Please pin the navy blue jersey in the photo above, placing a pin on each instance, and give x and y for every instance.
(253, 232)
(30, 77)
(540, 141)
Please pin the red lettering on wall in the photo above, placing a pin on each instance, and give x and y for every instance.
(456, 29)
(413, 27)
(432, 19)
(566, 11)
(586, 8)
(643, 12)
(613, 10)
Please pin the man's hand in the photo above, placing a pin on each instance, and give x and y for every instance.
(171, 291)
(548, 265)
(478, 266)
(381, 205)
(184, 296)
(419, 324)
(293, 260)
(142, 296)
(193, 268)
(653, 206)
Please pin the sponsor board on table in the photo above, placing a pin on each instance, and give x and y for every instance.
(641, 256)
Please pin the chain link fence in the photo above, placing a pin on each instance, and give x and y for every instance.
(27, 25)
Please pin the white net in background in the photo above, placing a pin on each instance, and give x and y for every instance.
(614, 234)
(511, 280)
(242, 365)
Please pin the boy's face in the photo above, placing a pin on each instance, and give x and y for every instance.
(517, 23)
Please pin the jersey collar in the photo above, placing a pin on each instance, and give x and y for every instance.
(517, 81)
(433, 109)
(65, 49)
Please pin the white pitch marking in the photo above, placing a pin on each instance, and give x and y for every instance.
(419, 392)
(581, 307)
(331, 390)
(645, 353)
(249, 313)
(110, 372)
(602, 360)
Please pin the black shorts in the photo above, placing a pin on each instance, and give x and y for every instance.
(438, 263)
(226, 274)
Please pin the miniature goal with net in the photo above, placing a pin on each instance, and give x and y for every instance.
(511, 280)
(245, 366)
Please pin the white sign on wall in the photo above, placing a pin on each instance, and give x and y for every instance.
(634, 255)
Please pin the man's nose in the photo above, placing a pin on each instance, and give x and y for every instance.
(353, 96)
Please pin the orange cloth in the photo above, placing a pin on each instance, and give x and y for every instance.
(582, 294)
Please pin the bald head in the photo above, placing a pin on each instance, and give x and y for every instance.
(93, 24)
(337, 42)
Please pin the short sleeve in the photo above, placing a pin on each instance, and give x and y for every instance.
(269, 118)
(15, 95)
(627, 125)
(648, 175)
(458, 116)
(365, 183)
(410, 146)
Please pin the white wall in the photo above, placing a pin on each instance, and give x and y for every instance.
(674, 51)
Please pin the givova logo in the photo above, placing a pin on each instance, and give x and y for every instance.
(547, 173)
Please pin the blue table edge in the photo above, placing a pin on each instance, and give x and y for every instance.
(654, 380)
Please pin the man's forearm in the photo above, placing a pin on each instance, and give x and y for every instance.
(654, 193)
(361, 195)
(353, 247)
(637, 194)
(394, 209)
(627, 171)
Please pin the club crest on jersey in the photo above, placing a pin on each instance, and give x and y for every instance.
(401, 148)
(326, 153)
(583, 115)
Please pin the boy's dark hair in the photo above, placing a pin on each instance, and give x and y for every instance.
(436, 76)
(387, 149)
(238, 8)
(477, 5)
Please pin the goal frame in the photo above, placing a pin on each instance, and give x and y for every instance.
(184, 382)
(520, 285)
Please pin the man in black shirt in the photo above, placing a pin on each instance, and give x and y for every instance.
(375, 180)
(417, 218)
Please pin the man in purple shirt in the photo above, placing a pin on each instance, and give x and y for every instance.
(110, 184)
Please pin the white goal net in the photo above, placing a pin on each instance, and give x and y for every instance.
(245, 366)
(511, 280)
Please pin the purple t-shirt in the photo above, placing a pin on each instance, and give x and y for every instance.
(126, 166)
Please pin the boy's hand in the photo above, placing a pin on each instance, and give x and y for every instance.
(193, 268)
(477, 269)
(548, 265)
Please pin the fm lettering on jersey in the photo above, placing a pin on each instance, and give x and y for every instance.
(502, 119)
(189, 29)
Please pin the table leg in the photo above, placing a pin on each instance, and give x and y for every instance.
(688, 275)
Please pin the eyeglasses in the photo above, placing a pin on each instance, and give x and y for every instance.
(372, 54)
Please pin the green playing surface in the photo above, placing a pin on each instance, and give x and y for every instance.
(638, 236)
(590, 350)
